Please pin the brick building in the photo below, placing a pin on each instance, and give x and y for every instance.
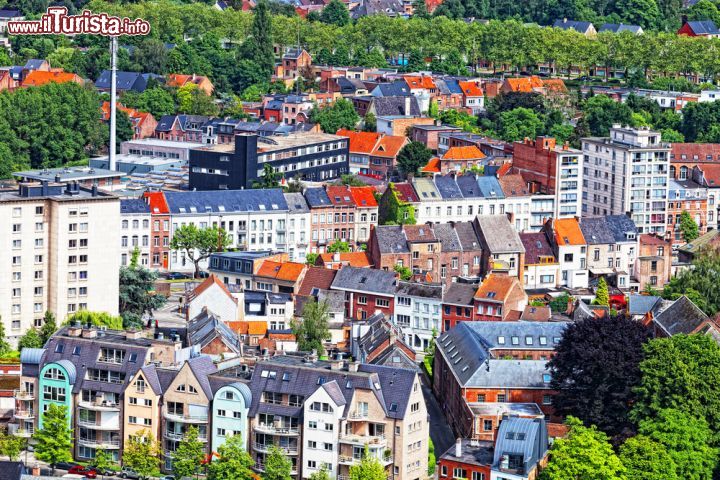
(458, 305)
(653, 266)
(498, 297)
(367, 291)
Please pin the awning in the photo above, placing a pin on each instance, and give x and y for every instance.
(601, 271)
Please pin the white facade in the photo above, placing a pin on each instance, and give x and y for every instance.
(135, 233)
(544, 275)
(627, 172)
(617, 258)
(217, 301)
(573, 266)
(61, 254)
(321, 434)
(364, 219)
(418, 317)
(568, 194)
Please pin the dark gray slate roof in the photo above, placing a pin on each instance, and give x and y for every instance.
(125, 81)
(261, 200)
(317, 197)
(460, 294)
(527, 437)
(5, 13)
(642, 304)
(205, 328)
(296, 202)
(704, 27)
(579, 26)
(133, 205)
(424, 290)
(619, 27)
(536, 245)
(203, 366)
(151, 375)
(391, 239)
(33, 64)
(395, 106)
(333, 389)
(447, 186)
(682, 316)
(499, 235)
(610, 229)
(394, 89)
(448, 237)
(365, 280)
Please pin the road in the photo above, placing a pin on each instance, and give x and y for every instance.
(440, 432)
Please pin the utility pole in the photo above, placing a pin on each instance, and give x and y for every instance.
(113, 101)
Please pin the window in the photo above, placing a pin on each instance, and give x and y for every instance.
(487, 425)
(501, 398)
(478, 476)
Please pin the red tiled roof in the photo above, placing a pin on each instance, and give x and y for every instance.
(353, 259)
(157, 202)
(363, 196)
(433, 166)
(360, 142)
(316, 277)
(471, 89)
(38, 77)
(406, 192)
(339, 195)
(470, 152)
(419, 233)
(513, 185)
(694, 152)
(567, 232)
(288, 271)
(496, 287)
(650, 239)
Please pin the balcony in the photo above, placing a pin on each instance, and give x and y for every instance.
(99, 426)
(26, 432)
(24, 395)
(95, 443)
(24, 414)
(180, 435)
(260, 467)
(174, 416)
(352, 460)
(272, 429)
(362, 439)
(358, 416)
(104, 406)
(265, 448)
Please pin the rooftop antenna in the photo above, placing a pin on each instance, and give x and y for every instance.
(113, 101)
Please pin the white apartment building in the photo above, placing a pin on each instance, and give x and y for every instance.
(255, 220)
(62, 255)
(627, 172)
(322, 413)
(418, 308)
(134, 231)
(612, 247)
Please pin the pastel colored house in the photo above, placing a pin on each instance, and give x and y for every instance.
(231, 404)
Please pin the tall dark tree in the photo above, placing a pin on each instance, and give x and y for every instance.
(412, 157)
(335, 13)
(587, 388)
(259, 47)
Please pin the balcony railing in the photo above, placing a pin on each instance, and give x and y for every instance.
(24, 414)
(112, 360)
(362, 439)
(260, 467)
(95, 443)
(98, 426)
(181, 417)
(265, 447)
(104, 406)
(181, 436)
(21, 432)
(264, 428)
(352, 460)
(24, 395)
(359, 415)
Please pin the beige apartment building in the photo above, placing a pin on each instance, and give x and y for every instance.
(141, 412)
(60, 252)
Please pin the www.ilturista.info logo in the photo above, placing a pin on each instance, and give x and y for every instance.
(57, 22)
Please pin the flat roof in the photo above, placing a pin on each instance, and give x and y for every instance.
(67, 174)
(280, 142)
(138, 160)
(157, 142)
(495, 408)
(13, 195)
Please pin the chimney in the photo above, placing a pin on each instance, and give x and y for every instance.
(133, 334)
(74, 331)
(353, 366)
(90, 332)
(458, 448)
(407, 106)
(36, 470)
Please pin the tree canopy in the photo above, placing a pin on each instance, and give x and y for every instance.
(333, 117)
(199, 243)
(189, 454)
(312, 331)
(142, 454)
(234, 462)
(701, 283)
(53, 442)
(412, 157)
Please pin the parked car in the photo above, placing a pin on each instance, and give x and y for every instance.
(203, 274)
(64, 465)
(87, 472)
(177, 276)
(129, 473)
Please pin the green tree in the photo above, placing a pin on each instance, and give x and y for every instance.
(335, 13)
(338, 246)
(277, 465)
(157, 101)
(680, 372)
(602, 295)
(601, 112)
(687, 440)
(370, 123)
(420, 9)
(48, 328)
(259, 46)
(103, 461)
(646, 459)
(431, 457)
(137, 291)
(369, 468)
(585, 454)
(270, 178)
(688, 227)
(519, 123)
(321, 474)
(311, 258)
(125, 129)
(312, 331)
(4, 344)
(672, 136)
(53, 442)
(31, 339)
(98, 319)
(412, 157)
(194, 101)
(234, 461)
(62, 57)
(199, 243)
(404, 272)
(392, 210)
(701, 283)
(11, 445)
(332, 118)
(142, 454)
(190, 453)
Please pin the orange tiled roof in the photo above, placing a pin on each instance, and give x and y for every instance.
(339, 195)
(513, 185)
(288, 271)
(353, 259)
(470, 152)
(433, 166)
(496, 287)
(38, 77)
(471, 89)
(389, 146)
(554, 84)
(504, 169)
(420, 82)
(361, 142)
(363, 196)
(207, 283)
(157, 202)
(524, 84)
(257, 327)
(567, 232)
(131, 112)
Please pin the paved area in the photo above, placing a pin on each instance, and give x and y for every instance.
(440, 432)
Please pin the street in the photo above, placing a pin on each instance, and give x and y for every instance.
(440, 431)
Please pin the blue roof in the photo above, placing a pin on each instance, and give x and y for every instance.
(31, 355)
(641, 304)
(490, 187)
(316, 197)
(69, 368)
(125, 81)
(453, 85)
(620, 27)
(447, 187)
(269, 200)
(704, 27)
(33, 64)
(566, 24)
(133, 205)
(10, 13)
(395, 89)
(525, 437)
